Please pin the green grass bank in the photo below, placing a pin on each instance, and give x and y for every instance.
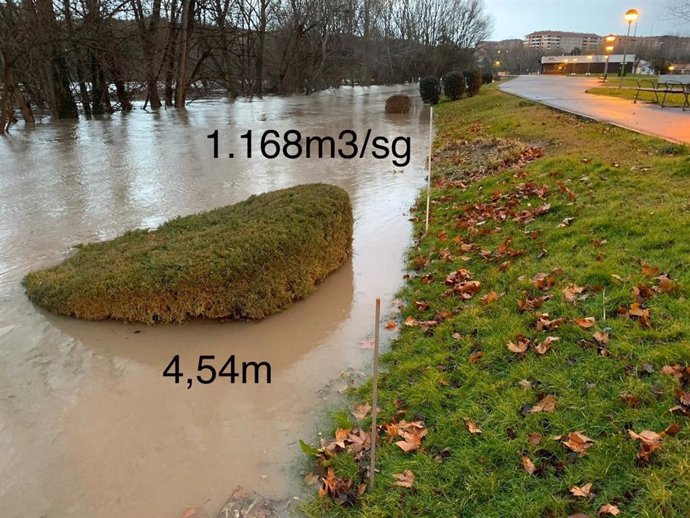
(243, 261)
(541, 368)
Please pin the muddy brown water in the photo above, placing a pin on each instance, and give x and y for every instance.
(88, 424)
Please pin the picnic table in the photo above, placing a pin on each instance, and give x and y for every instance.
(665, 85)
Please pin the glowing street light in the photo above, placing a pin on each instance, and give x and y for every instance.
(631, 15)
(610, 40)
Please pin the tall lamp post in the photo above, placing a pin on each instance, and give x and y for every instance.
(610, 40)
(589, 62)
(631, 15)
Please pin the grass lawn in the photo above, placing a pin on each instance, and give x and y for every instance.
(628, 91)
(545, 326)
(247, 261)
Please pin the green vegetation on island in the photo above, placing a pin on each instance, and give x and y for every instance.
(541, 368)
(243, 261)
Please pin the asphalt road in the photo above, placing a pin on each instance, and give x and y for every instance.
(568, 94)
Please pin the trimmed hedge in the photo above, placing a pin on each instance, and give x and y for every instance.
(430, 89)
(398, 104)
(243, 261)
(454, 85)
(474, 81)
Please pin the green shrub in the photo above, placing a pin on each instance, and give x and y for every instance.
(245, 261)
(454, 85)
(398, 104)
(473, 78)
(487, 78)
(430, 89)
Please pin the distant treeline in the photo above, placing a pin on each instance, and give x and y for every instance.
(68, 57)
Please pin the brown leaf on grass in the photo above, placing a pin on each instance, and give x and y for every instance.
(544, 324)
(609, 509)
(490, 297)
(404, 479)
(650, 442)
(642, 292)
(586, 322)
(676, 371)
(458, 276)
(421, 305)
(475, 356)
(543, 281)
(525, 384)
(534, 438)
(546, 404)
(427, 278)
(411, 442)
(410, 322)
(572, 292)
(649, 271)
(632, 400)
(528, 465)
(579, 515)
(577, 442)
(543, 347)
(601, 338)
(472, 426)
(665, 285)
(412, 434)
(390, 325)
(520, 347)
(642, 314)
(582, 492)
(361, 411)
(504, 266)
(529, 304)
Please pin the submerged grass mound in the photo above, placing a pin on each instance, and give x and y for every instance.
(243, 261)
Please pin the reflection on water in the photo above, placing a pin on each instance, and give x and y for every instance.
(88, 424)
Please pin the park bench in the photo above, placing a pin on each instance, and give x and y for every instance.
(667, 85)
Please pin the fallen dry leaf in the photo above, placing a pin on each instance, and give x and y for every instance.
(361, 411)
(534, 438)
(572, 292)
(475, 356)
(410, 322)
(490, 297)
(586, 322)
(520, 347)
(472, 426)
(609, 509)
(528, 465)
(390, 325)
(404, 479)
(577, 442)
(546, 404)
(649, 271)
(543, 347)
(601, 338)
(582, 492)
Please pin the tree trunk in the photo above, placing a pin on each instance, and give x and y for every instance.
(181, 83)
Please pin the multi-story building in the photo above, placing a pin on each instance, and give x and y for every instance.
(566, 41)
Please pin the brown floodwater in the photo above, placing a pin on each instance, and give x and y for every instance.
(88, 424)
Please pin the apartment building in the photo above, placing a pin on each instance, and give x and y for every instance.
(566, 41)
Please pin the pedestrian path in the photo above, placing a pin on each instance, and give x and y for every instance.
(568, 94)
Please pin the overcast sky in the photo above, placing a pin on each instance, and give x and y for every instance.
(516, 18)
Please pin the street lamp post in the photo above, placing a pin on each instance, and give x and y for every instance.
(589, 62)
(631, 15)
(610, 40)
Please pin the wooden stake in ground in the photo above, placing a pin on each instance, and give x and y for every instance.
(428, 178)
(374, 396)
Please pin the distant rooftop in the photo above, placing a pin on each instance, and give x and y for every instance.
(563, 33)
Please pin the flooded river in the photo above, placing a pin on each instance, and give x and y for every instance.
(89, 427)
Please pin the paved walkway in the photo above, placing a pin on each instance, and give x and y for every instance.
(568, 93)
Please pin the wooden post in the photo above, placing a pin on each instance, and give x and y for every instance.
(374, 397)
(428, 178)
